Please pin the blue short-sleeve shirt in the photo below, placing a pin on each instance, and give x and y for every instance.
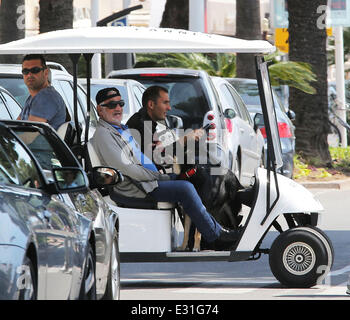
(47, 104)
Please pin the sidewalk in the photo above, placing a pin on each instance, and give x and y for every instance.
(332, 184)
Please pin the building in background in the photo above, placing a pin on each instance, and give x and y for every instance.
(221, 14)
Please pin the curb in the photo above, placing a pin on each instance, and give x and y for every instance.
(335, 184)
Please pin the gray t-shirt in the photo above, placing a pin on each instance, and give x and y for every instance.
(47, 104)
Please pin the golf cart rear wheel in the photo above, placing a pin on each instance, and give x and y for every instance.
(300, 257)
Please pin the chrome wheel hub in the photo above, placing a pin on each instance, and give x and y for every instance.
(299, 258)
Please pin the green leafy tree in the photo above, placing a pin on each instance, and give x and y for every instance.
(295, 74)
(222, 65)
(331, 51)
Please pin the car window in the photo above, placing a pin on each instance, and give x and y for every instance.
(48, 150)
(82, 100)
(242, 107)
(188, 100)
(229, 100)
(7, 172)
(4, 113)
(16, 163)
(67, 90)
(17, 87)
(12, 105)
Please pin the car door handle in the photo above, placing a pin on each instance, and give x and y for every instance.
(241, 130)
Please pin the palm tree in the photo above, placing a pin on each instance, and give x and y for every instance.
(56, 15)
(222, 65)
(294, 74)
(308, 43)
(247, 27)
(12, 26)
(176, 14)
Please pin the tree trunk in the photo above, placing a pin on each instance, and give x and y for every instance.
(307, 43)
(56, 15)
(176, 14)
(12, 26)
(247, 27)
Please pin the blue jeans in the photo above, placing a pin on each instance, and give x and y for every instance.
(185, 193)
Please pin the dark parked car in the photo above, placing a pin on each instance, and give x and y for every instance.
(51, 153)
(43, 242)
(249, 91)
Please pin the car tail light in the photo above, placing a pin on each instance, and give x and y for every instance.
(211, 136)
(229, 125)
(283, 130)
(210, 117)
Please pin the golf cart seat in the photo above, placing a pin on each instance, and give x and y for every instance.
(123, 201)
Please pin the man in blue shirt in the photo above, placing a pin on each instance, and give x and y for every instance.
(116, 148)
(44, 104)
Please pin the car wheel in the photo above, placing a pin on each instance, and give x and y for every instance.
(113, 280)
(88, 285)
(27, 282)
(300, 257)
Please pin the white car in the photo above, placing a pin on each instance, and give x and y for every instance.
(130, 90)
(245, 140)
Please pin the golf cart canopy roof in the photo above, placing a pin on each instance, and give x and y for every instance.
(132, 39)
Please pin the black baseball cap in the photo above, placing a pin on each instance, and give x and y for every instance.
(107, 93)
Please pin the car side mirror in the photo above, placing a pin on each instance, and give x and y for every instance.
(106, 176)
(258, 121)
(291, 114)
(70, 179)
(229, 113)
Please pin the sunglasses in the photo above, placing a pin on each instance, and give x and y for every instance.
(113, 104)
(34, 70)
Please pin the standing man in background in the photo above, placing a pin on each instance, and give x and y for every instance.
(44, 104)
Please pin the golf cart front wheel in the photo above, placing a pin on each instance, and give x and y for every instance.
(300, 257)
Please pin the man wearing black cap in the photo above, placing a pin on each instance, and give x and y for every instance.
(116, 148)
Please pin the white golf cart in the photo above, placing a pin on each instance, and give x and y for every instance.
(301, 256)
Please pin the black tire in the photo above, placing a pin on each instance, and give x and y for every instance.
(88, 283)
(113, 280)
(28, 283)
(300, 257)
(328, 241)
